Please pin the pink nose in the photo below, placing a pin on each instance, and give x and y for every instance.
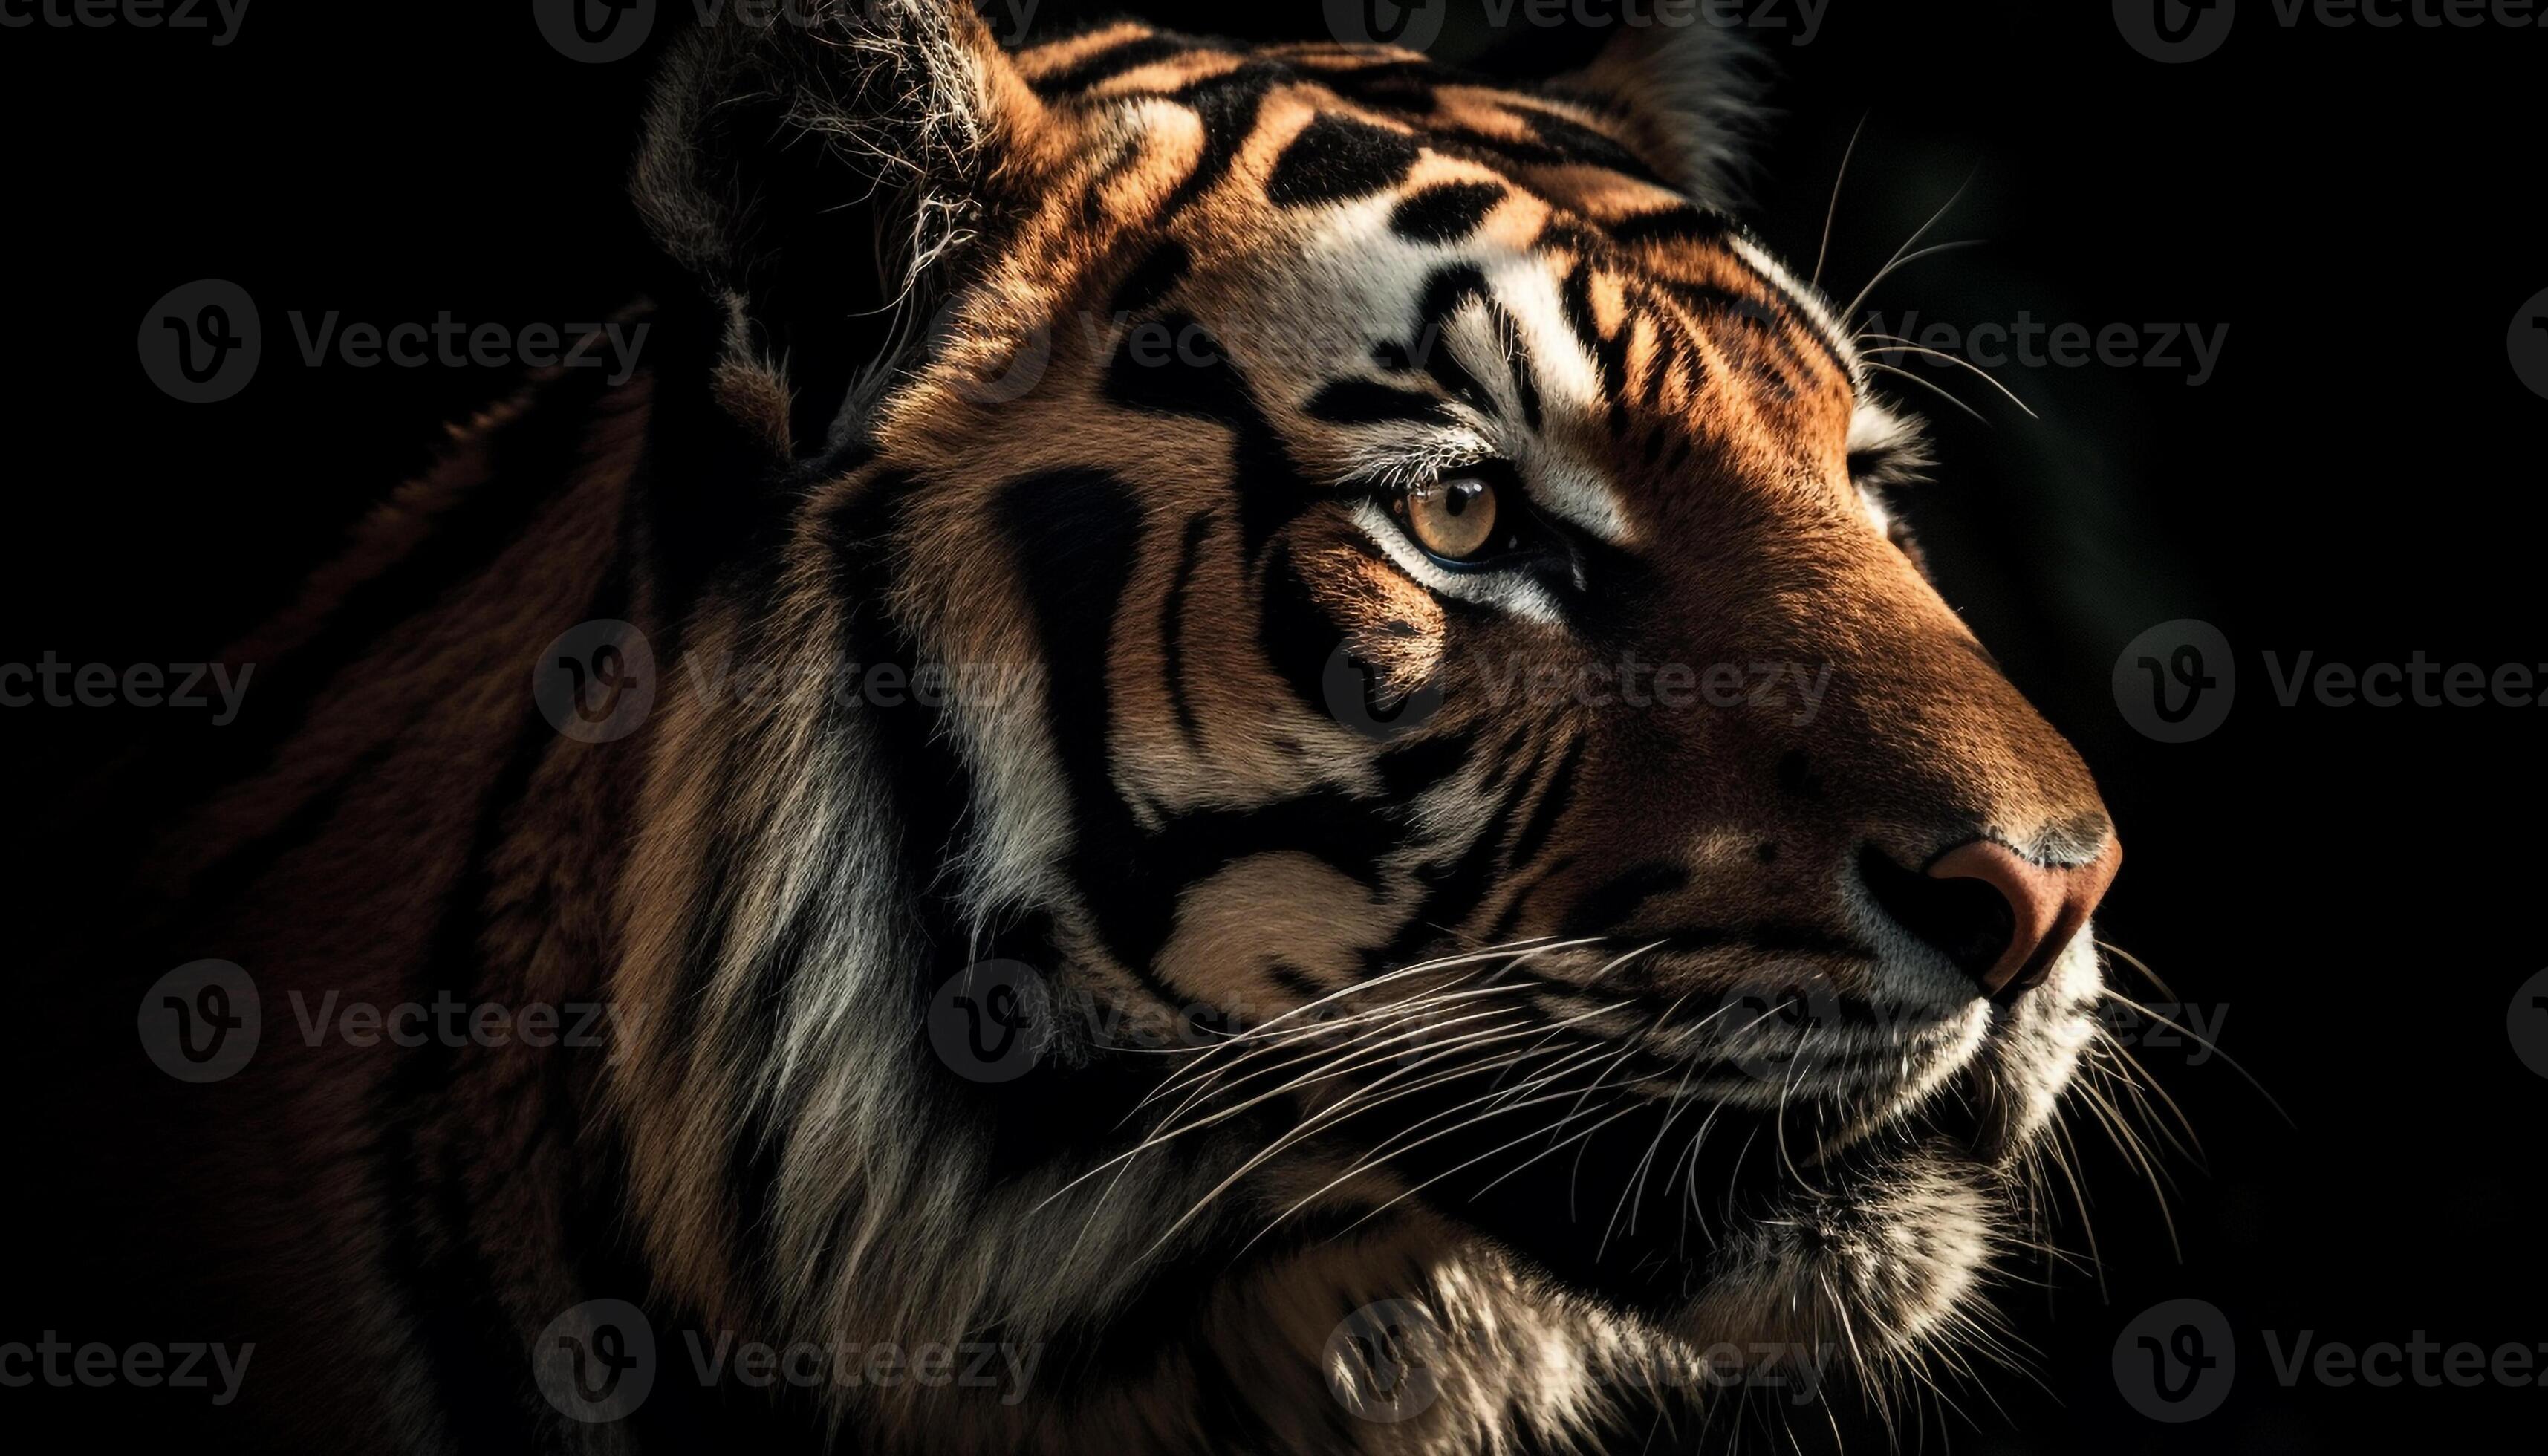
(2046, 906)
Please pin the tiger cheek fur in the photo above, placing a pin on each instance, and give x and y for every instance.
(1540, 949)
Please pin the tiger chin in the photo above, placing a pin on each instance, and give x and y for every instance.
(1270, 742)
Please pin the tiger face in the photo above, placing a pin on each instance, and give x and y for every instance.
(1528, 837)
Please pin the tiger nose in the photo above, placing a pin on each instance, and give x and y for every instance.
(2001, 917)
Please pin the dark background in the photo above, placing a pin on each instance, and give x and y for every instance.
(2348, 895)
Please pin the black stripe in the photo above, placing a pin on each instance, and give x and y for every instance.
(1503, 931)
(1172, 622)
(1336, 158)
(1517, 361)
(1093, 207)
(1774, 316)
(1407, 86)
(1457, 890)
(1609, 354)
(1296, 635)
(431, 1254)
(1449, 290)
(1552, 805)
(1228, 105)
(1608, 904)
(1446, 212)
(1422, 762)
(1367, 402)
(1120, 58)
(1581, 146)
(231, 877)
(1175, 366)
(1684, 223)
(1153, 278)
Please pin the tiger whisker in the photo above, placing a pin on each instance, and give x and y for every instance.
(1394, 1146)
(1899, 258)
(1167, 1134)
(1357, 1101)
(1927, 385)
(1895, 344)
(1373, 1023)
(1831, 211)
(1342, 1109)
(2206, 1042)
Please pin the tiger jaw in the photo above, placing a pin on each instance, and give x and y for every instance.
(1890, 1245)
(1766, 1193)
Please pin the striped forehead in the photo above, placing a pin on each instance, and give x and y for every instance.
(1449, 318)
(1349, 188)
(1339, 120)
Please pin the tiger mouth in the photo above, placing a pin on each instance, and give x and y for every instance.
(1656, 1196)
(1656, 1200)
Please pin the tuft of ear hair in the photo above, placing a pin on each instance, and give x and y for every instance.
(1687, 99)
(820, 168)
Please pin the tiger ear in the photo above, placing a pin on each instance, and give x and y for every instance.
(1685, 99)
(819, 173)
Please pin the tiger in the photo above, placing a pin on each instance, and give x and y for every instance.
(1238, 751)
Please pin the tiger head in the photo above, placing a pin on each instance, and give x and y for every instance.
(1498, 819)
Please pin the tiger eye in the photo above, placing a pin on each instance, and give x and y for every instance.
(1454, 519)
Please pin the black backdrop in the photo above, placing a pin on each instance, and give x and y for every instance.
(2344, 896)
